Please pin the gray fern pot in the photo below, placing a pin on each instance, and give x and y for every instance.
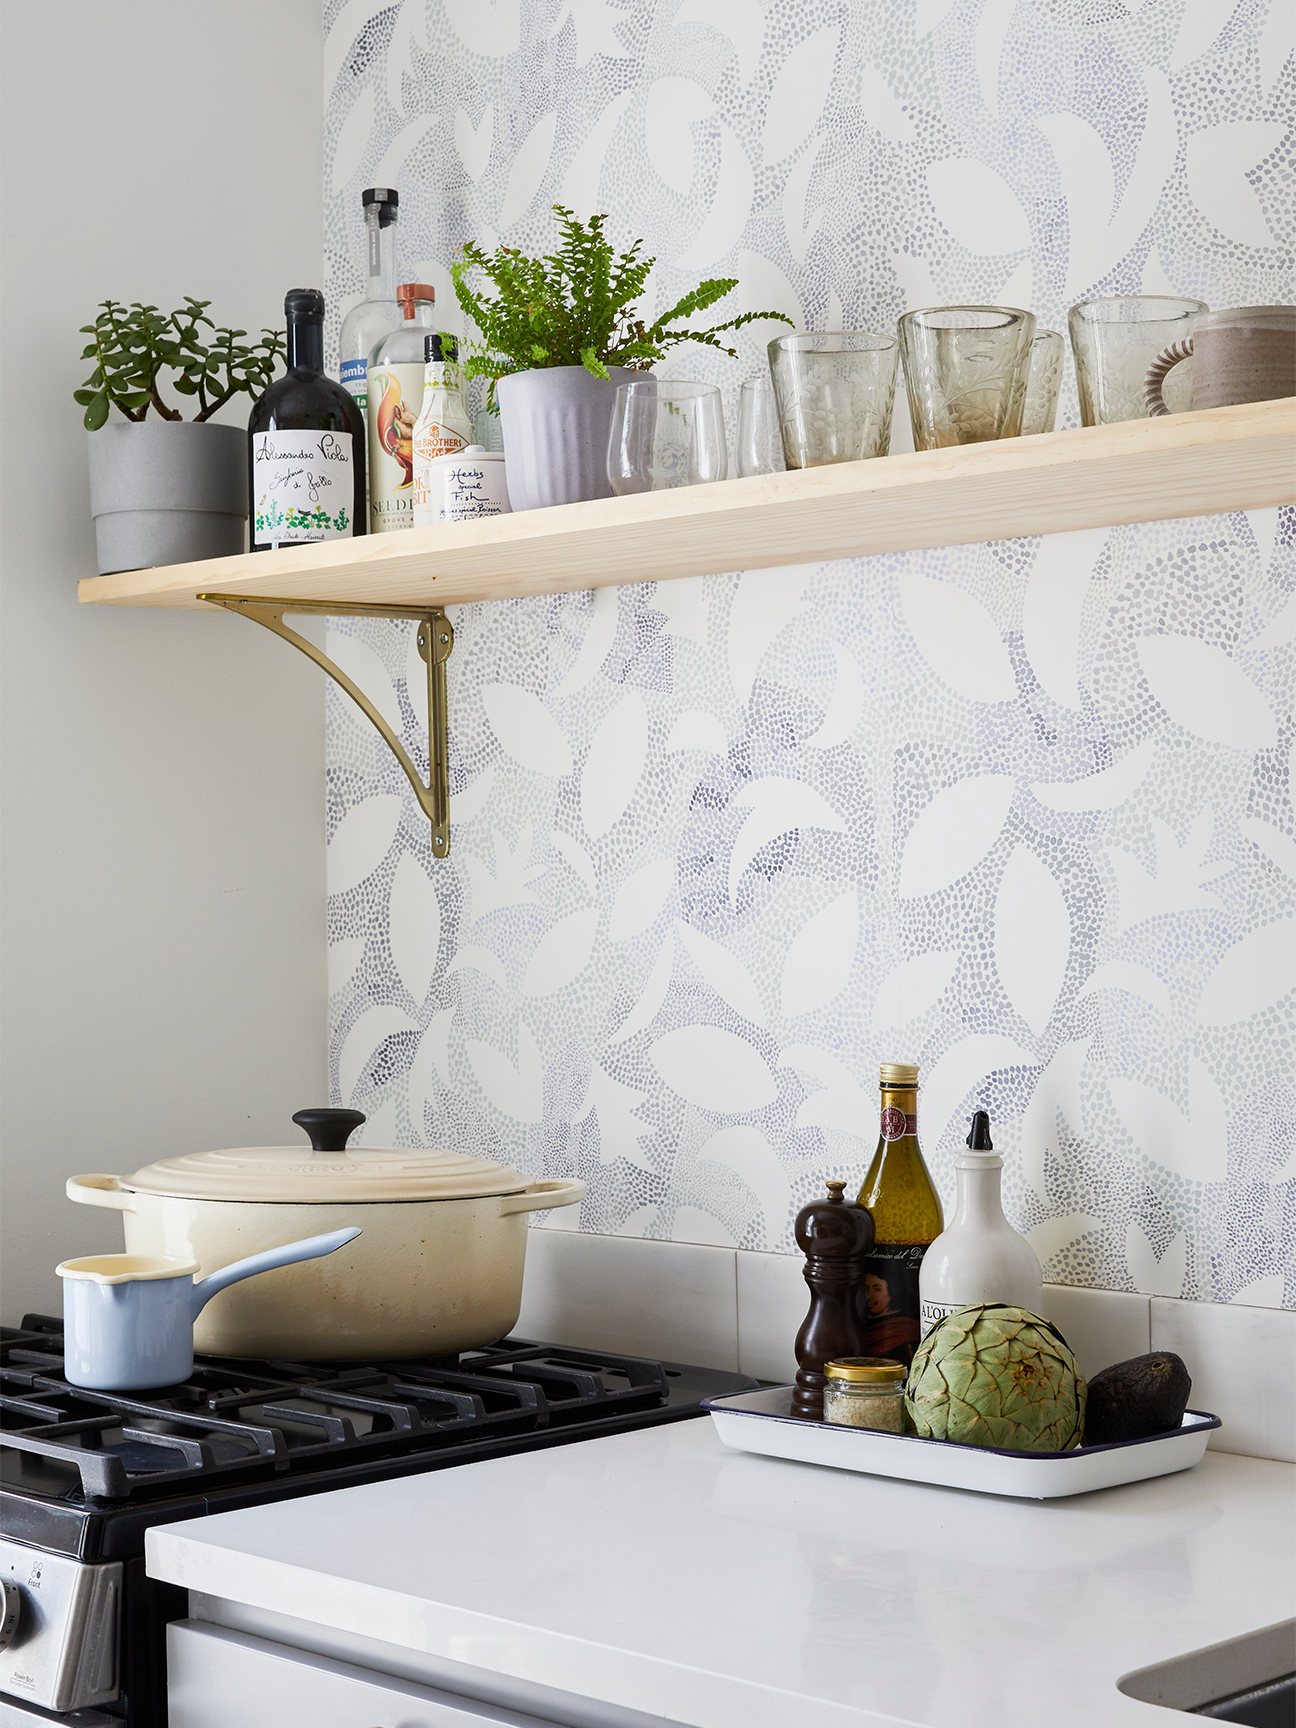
(167, 492)
(556, 423)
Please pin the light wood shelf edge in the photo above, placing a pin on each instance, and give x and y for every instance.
(1201, 464)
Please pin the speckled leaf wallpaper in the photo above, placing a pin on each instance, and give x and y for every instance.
(1020, 812)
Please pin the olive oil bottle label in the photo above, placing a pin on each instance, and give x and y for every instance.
(931, 1312)
(302, 487)
(892, 1326)
(395, 395)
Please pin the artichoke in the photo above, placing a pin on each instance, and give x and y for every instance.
(994, 1375)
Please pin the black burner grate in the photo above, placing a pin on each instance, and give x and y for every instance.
(235, 1419)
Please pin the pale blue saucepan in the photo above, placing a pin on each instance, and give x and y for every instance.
(128, 1318)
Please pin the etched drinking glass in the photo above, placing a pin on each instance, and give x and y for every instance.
(965, 371)
(1116, 340)
(666, 433)
(835, 390)
(760, 443)
(1043, 382)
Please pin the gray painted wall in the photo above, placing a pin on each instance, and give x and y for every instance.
(163, 839)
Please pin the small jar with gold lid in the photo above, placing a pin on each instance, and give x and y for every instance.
(865, 1392)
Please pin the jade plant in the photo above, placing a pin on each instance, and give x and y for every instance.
(577, 306)
(132, 345)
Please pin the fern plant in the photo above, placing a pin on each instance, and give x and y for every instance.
(577, 307)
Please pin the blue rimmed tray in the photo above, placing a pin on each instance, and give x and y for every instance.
(763, 1422)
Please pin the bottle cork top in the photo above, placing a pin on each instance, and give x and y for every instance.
(899, 1074)
(409, 292)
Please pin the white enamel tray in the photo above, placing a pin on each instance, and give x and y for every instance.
(763, 1422)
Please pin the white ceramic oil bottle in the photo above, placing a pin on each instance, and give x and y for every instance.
(980, 1257)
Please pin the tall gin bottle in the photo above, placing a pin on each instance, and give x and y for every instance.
(907, 1217)
(370, 320)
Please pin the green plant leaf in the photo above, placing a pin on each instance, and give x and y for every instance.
(96, 413)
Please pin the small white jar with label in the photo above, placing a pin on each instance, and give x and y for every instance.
(464, 487)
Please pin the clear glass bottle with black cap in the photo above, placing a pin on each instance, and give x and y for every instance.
(907, 1217)
(306, 443)
(371, 318)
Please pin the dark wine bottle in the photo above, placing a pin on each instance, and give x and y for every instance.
(306, 443)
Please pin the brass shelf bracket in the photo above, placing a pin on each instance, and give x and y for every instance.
(435, 641)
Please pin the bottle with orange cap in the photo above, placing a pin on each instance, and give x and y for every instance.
(394, 396)
(907, 1218)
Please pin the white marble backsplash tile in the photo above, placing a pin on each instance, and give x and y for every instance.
(1243, 1364)
(740, 1310)
(616, 1293)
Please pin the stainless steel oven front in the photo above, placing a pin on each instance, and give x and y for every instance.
(58, 1638)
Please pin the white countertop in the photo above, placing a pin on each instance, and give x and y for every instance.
(663, 1573)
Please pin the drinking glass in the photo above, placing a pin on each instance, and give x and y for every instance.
(760, 443)
(835, 390)
(965, 371)
(665, 433)
(1116, 340)
(1043, 381)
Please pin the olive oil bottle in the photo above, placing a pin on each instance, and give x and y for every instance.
(907, 1217)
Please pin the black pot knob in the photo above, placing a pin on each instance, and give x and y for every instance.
(329, 1130)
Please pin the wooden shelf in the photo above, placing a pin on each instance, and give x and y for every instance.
(1141, 471)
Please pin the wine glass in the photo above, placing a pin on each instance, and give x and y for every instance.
(760, 442)
(666, 433)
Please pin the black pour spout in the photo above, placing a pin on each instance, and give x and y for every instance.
(329, 1130)
(978, 1140)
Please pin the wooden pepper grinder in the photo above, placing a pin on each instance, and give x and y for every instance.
(834, 1234)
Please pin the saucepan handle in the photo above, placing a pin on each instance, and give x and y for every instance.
(541, 1195)
(1165, 361)
(100, 1191)
(287, 1255)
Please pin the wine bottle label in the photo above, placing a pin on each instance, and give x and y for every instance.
(354, 375)
(303, 487)
(897, 1123)
(890, 1302)
(395, 395)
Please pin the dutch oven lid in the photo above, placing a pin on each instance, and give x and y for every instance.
(291, 1174)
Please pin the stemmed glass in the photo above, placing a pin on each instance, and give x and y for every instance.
(666, 433)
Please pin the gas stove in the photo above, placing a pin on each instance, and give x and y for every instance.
(84, 1474)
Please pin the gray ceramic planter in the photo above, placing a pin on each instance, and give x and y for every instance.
(167, 492)
(556, 423)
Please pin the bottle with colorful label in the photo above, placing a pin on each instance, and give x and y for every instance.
(443, 428)
(395, 392)
(980, 1257)
(306, 444)
(906, 1208)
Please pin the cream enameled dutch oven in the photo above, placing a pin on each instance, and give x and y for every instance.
(437, 1268)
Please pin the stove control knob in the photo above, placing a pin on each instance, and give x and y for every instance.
(12, 1604)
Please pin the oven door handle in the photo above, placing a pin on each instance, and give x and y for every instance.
(100, 1191)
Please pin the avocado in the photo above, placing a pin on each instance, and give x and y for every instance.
(1146, 1395)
